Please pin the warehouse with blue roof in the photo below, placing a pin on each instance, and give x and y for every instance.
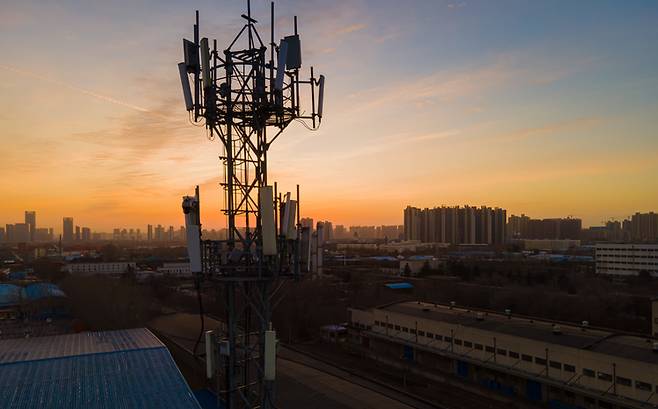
(114, 369)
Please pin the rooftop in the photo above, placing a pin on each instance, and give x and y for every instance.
(113, 369)
(623, 345)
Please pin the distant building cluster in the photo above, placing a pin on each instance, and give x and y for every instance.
(26, 232)
(523, 227)
(340, 232)
(456, 225)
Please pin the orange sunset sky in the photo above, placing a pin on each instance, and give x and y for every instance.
(427, 103)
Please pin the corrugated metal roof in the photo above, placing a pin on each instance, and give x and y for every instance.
(42, 290)
(84, 343)
(399, 286)
(115, 369)
(10, 295)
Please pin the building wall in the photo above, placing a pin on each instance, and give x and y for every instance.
(100, 268)
(626, 259)
(176, 269)
(583, 368)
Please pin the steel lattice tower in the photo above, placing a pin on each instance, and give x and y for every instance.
(246, 98)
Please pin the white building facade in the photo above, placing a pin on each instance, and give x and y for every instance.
(626, 259)
(102, 268)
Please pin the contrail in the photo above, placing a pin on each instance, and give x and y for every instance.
(79, 89)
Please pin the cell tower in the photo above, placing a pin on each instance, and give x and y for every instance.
(246, 96)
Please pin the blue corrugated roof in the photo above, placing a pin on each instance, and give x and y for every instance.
(399, 286)
(115, 369)
(10, 295)
(17, 275)
(42, 290)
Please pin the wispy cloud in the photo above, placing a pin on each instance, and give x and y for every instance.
(578, 124)
(75, 88)
(351, 28)
(451, 85)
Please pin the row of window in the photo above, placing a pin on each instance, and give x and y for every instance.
(515, 355)
(618, 268)
(620, 380)
(623, 249)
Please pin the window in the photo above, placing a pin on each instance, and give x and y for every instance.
(397, 327)
(439, 337)
(430, 335)
(569, 368)
(624, 381)
(555, 365)
(447, 339)
(413, 331)
(526, 358)
(458, 341)
(468, 344)
(513, 354)
(502, 352)
(405, 329)
(540, 361)
(421, 333)
(489, 349)
(376, 323)
(479, 347)
(643, 386)
(605, 376)
(390, 326)
(588, 372)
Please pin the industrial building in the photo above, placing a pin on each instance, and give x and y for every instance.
(532, 360)
(626, 259)
(114, 369)
(100, 268)
(176, 269)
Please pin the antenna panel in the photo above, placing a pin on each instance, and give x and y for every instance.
(205, 63)
(281, 65)
(191, 53)
(267, 220)
(320, 95)
(292, 229)
(185, 83)
(294, 57)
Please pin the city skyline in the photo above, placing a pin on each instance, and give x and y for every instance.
(450, 102)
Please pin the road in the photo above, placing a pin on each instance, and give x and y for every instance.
(302, 381)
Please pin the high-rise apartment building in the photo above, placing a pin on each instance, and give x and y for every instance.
(523, 227)
(21, 233)
(31, 221)
(9, 233)
(42, 234)
(67, 229)
(517, 226)
(644, 227)
(86, 234)
(307, 222)
(149, 232)
(340, 232)
(3, 236)
(159, 233)
(456, 225)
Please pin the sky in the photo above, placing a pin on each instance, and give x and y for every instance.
(548, 108)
